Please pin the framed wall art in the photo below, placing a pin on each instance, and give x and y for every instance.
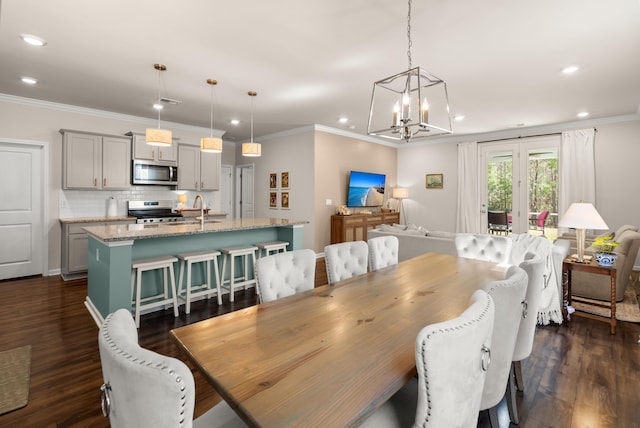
(284, 203)
(273, 199)
(434, 181)
(273, 180)
(284, 180)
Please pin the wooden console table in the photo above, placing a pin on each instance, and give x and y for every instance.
(569, 265)
(354, 227)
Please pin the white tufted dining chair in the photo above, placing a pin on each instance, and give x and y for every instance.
(383, 252)
(346, 260)
(451, 359)
(508, 295)
(485, 247)
(534, 267)
(283, 274)
(144, 389)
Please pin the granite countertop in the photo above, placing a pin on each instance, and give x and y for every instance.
(95, 219)
(128, 232)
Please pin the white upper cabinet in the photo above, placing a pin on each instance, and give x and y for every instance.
(142, 150)
(198, 170)
(94, 161)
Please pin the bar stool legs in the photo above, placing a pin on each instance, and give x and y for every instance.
(205, 289)
(168, 294)
(244, 280)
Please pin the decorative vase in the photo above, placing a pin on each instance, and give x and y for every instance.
(605, 259)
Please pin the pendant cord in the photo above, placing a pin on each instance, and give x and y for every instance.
(251, 119)
(410, 43)
(211, 133)
(159, 102)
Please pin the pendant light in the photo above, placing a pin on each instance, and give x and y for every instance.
(158, 136)
(211, 144)
(250, 148)
(410, 105)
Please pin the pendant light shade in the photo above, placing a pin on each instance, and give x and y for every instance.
(211, 144)
(250, 148)
(158, 136)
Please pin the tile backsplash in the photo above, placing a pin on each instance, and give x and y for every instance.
(94, 203)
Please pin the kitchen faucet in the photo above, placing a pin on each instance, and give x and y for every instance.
(195, 205)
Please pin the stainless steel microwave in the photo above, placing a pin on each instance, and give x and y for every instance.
(149, 172)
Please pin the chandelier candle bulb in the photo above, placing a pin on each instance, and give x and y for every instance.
(424, 116)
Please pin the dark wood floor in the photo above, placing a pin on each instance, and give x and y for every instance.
(578, 375)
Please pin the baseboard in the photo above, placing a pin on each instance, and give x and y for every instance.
(94, 312)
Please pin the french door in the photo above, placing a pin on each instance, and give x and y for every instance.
(520, 177)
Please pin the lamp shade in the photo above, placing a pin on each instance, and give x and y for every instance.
(158, 137)
(211, 145)
(400, 193)
(581, 215)
(251, 149)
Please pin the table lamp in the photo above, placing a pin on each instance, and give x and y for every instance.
(581, 216)
(182, 198)
(401, 193)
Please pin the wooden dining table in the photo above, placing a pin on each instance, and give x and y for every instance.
(328, 357)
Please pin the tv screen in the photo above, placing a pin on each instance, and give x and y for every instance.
(366, 189)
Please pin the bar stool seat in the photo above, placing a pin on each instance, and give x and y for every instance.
(267, 248)
(168, 294)
(192, 291)
(244, 280)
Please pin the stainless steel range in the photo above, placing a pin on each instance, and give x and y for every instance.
(153, 211)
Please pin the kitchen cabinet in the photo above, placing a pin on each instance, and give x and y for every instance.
(95, 161)
(142, 150)
(75, 244)
(198, 170)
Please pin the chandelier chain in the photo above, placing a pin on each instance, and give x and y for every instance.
(410, 43)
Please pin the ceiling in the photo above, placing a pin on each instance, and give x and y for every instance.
(313, 61)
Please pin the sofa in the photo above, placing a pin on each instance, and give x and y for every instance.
(414, 241)
(595, 286)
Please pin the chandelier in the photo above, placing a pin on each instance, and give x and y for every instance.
(410, 105)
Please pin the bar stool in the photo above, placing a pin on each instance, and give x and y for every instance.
(161, 299)
(205, 257)
(228, 256)
(271, 247)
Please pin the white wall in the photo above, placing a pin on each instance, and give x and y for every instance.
(290, 152)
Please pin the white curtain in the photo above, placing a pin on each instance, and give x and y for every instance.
(577, 169)
(468, 214)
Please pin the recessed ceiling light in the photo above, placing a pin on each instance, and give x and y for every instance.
(570, 69)
(235, 122)
(459, 117)
(583, 114)
(158, 106)
(343, 120)
(33, 40)
(29, 80)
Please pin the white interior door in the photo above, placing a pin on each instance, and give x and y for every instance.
(226, 190)
(244, 191)
(23, 244)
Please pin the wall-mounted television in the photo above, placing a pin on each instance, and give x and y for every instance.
(366, 189)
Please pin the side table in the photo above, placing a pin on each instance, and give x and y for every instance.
(569, 265)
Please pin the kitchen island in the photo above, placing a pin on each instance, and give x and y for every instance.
(112, 248)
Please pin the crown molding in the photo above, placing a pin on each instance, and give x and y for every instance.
(68, 108)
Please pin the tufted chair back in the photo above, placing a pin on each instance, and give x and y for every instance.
(345, 260)
(284, 274)
(485, 247)
(383, 252)
(507, 295)
(534, 267)
(145, 389)
(452, 358)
